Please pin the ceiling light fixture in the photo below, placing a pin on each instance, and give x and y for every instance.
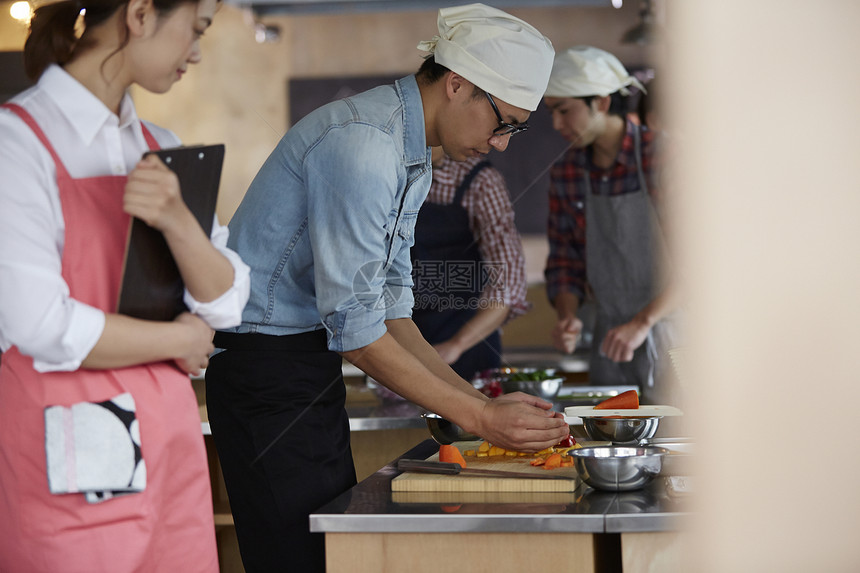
(266, 33)
(263, 33)
(21, 11)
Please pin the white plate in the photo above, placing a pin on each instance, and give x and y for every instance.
(642, 411)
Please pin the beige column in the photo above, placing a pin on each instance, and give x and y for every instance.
(765, 95)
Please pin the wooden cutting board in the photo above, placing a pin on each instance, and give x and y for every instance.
(413, 482)
(483, 497)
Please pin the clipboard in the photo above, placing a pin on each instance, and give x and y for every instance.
(151, 286)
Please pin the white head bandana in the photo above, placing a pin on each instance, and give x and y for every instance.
(583, 71)
(500, 54)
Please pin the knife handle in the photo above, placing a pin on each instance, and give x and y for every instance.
(428, 467)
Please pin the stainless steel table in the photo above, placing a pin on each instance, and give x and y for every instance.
(579, 529)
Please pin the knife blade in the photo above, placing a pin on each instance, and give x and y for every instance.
(445, 468)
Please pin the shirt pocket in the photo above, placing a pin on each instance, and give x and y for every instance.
(403, 236)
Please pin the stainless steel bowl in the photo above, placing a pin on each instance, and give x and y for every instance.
(614, 468)
(445, 431)
(546, 389)
(620, 431)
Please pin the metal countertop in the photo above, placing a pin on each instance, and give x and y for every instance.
(371, 507)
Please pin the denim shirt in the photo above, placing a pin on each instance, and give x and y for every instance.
(328, 221)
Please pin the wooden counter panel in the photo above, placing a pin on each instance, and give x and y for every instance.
(472, 552)
(653, 552)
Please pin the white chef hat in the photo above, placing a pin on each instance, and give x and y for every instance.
(584, 71)
(497, 52)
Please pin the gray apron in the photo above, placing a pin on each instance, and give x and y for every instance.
(625, 247)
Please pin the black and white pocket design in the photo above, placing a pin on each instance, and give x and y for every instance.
(94, 448)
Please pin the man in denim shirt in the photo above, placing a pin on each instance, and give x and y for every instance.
(326, 228)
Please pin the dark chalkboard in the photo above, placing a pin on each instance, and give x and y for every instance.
(12, 76)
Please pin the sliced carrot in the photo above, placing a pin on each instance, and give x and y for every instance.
(537, 462)
(496, 451)
(451, 454)
(552, 462)
(625, 401)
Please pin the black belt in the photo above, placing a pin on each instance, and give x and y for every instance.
(313, 341)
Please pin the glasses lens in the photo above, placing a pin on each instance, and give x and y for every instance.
(510, 129)
(505, 128)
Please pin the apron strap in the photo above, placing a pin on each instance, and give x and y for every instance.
(637, 148)
(28, 119)
(650, 341)
(467, 182)
(61, 169)
(150, 139)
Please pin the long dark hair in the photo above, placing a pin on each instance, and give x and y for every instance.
(52, 37)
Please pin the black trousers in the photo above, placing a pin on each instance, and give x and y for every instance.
(276, 409)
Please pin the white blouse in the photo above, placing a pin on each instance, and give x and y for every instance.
(36, 312)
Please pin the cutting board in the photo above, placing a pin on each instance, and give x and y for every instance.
(642, 411)
(413, 482)
(482, 497)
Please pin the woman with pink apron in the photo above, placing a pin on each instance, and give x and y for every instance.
(102, 462)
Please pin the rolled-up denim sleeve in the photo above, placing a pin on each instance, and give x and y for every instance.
(398, 279)
(352, 182)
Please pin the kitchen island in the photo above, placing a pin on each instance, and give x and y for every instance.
(371, 529)
(381, 429)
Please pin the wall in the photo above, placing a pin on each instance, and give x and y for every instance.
(238, 94)
(13, 34)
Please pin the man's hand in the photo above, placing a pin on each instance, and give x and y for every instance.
(566, 333)
(522, 422)
(621, 341)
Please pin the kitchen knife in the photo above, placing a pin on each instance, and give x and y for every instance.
(445, 468)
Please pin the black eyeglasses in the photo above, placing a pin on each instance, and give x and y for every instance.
(504, 127)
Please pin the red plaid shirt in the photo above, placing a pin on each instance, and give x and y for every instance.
(491, 220)
(565, 267)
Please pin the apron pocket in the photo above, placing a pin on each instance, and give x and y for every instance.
(94, 448)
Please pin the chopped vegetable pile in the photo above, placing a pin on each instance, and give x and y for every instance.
(549, 458)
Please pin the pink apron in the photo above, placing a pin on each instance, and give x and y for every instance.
(169, 526)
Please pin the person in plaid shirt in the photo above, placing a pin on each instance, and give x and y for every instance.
(604, 229)
(468, 264)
